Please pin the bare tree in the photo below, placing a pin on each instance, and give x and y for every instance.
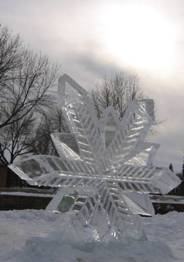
(10, 58)
(51, 121)
(27, 90)
(14, 139)
(117, 92)
(25, 78)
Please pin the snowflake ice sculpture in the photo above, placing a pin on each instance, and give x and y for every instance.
(104, 167)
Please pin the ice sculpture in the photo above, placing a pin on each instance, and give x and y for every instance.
(104, 168)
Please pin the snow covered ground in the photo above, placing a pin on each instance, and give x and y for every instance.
(41, 236)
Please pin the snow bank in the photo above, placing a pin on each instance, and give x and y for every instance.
(27, 236)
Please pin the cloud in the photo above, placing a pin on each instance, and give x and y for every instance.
(98, 66)
(69, 32)
(170, 109)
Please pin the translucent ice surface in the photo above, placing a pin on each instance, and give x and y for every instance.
(104, 169)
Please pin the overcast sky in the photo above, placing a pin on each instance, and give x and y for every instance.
(92, 39)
